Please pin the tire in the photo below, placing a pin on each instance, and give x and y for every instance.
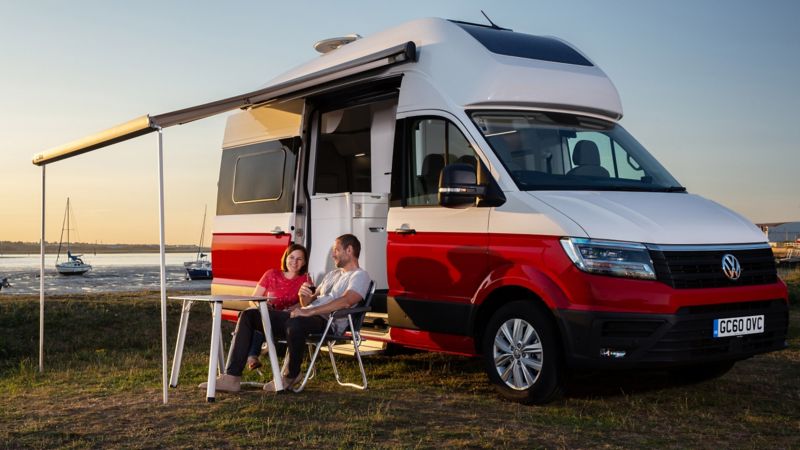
(535, 377)
(702, 372)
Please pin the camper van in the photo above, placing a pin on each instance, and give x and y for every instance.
(503, 211)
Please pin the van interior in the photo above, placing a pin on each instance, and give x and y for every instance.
(350, 184)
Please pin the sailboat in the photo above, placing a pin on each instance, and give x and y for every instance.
(200, 268)
(74, 265)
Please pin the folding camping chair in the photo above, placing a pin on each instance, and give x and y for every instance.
(355, 317)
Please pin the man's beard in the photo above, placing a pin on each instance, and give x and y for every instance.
(341, 262)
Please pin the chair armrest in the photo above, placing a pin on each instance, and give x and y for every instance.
(348, 311)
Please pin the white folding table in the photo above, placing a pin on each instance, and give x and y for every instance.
(216, 357)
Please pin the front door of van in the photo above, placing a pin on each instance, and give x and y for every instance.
(436, 256)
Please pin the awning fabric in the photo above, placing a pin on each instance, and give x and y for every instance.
(147, 124)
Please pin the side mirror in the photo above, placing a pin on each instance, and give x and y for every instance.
(458, 186)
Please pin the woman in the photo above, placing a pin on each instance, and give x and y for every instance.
(283, 284)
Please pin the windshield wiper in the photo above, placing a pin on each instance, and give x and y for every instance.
(672, 189)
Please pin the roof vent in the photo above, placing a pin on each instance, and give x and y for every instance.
(329, 45)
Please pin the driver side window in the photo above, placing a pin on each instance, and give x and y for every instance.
(432, 144)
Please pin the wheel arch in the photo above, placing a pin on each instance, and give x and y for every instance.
(512, 283)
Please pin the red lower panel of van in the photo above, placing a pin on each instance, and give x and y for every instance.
(423, 340)
(246, 256)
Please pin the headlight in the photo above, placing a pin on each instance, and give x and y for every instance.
(617, 259)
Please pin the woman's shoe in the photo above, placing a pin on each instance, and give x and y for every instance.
(287, 382)
(253, 363)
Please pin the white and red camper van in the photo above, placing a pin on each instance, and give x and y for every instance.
(502, 210)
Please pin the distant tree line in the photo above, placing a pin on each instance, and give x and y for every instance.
(19, 247)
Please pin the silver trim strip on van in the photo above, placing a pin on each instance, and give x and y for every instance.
(706, 248)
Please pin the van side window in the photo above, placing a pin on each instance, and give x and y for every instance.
(431, 145)
(257, 178)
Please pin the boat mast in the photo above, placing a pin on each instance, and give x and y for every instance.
(61, 239)
(202, 233)
(67, 225)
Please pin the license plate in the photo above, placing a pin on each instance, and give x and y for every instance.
(738, 326)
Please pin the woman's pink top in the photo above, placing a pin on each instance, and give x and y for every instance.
(285, 289)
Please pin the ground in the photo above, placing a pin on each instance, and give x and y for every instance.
(102, 388)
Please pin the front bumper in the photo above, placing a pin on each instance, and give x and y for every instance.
(669, 340)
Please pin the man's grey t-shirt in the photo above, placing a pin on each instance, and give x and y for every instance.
(335, 284)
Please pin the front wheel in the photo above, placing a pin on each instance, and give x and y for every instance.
(523, 355)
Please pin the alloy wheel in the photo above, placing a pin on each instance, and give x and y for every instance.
(518, 354)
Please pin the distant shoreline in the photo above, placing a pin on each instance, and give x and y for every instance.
(88, 248)
(17, 253)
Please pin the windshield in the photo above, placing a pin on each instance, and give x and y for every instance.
(547, 151)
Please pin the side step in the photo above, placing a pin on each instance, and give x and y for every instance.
(374, 326)
(367, 348)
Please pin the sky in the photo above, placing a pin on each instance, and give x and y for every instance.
(710, 88)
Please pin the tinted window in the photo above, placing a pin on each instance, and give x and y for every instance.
(259, 177)
(432, 144)
(509, 43)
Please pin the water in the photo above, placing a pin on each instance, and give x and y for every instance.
(111, 272)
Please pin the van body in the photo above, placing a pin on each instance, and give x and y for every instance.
(502, 211)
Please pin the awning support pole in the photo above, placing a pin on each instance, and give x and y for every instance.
(41, 287)
(163, 265)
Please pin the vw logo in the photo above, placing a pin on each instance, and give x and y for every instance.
(730, 265)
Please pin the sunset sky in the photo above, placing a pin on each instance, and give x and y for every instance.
(709, 88)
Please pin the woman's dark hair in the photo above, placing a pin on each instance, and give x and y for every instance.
(290, 249)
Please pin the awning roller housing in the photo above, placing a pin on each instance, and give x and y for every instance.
(119, 133)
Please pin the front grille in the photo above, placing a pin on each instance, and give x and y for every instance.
(743, 307)
(700, 269)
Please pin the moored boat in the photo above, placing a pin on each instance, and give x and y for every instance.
(74, 265)
(199, 269)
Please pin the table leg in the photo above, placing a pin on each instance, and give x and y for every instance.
(273, 356)
(214, 357)
(178, 356)
(221, 358)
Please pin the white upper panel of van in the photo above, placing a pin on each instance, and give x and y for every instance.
(474, 77)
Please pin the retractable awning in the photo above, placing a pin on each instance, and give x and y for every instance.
(148, 124)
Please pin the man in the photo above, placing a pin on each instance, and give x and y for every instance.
(340, 289)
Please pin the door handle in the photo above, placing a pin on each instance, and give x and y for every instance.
(377, 229)
(277, 232)
(405, 231)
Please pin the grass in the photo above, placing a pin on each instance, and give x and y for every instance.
(792, 280)
(102, 388)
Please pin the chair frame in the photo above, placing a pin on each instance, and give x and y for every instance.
(355, 337)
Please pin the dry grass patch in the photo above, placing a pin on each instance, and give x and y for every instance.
(102, 389)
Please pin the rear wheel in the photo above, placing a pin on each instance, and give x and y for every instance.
(523, 355)
(702, 372)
